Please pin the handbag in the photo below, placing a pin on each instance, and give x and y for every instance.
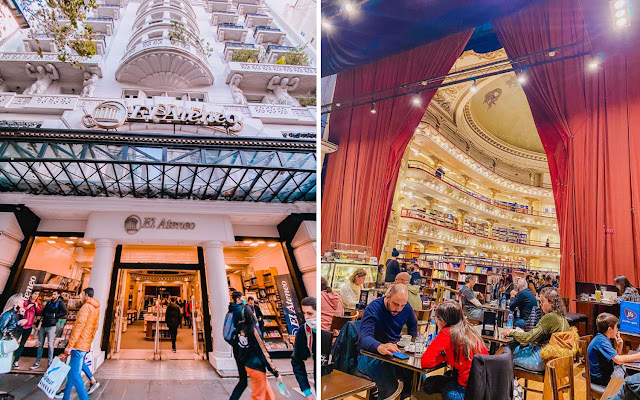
(53, 378)
(528, 357)
(8, 346)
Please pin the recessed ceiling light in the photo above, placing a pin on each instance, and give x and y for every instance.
(86, 242)
(254, 244)
(53, 237)
(73, 237)
(247, 242)
(618, 4)
(620, 13)
(272, 244)
(621, 22)
(69, 241)
(51, 241)
(260, 242)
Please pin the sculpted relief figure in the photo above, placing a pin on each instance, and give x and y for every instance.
(44, 76)
(279, 89)
(236, 92)
(89, 84)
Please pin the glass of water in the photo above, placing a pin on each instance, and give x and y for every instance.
(420, 345)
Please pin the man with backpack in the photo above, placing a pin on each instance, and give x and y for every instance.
(51, 313)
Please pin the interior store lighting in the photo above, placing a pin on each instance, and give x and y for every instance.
(247, 242)
(327, 25)
(272, 244)
(373, 108)
(522, 78)
(416, 101)
(51, 241)
(348, 7)
(69, 241)
(53, 237)
(474, 87)
(86, 242)
(594, 63)
(73, 237)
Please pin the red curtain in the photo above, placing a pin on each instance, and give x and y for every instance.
(360, 178)
(586, 120)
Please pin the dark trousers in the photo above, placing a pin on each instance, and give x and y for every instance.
(242, 375)
(173, 332)
(23, 340)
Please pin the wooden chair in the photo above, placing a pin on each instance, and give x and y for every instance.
(593, 391)
(521, 373)
(422, 315)
(396, 395)
(337, 322)
(561, 370)
(575, 319)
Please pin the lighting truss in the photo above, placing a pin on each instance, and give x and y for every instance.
(98, 164)
(465, 75)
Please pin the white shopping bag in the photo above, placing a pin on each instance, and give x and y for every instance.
(53, 378)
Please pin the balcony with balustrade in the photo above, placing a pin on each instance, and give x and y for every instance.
(232, 32)
(224, 17)
(108, 11)
(231, 48)
(162, 54)
(251, 20)
(268, 35)
(224, 5)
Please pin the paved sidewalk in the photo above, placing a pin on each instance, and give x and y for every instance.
(152, 380)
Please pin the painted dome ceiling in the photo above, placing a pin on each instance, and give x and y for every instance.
(500, 107)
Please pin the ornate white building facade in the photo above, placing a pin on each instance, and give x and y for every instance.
(191, 109)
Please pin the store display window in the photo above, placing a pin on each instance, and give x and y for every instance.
(60, 264)
(258, 269)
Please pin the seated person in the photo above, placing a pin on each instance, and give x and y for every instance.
(470, 303)
(350, 290)
(416, 278)
(553, 320)
(627, 291)
(380, 329)
(331, 305)
(523, 300)
(605, 361)
(414, 291)
(456, 344)
(548, 282)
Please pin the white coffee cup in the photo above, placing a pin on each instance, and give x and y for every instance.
(406, 339)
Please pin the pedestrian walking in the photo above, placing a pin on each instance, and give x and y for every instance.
(32, 307)
(82, 334)
(172, 318)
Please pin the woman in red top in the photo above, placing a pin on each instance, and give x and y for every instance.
(456, 344)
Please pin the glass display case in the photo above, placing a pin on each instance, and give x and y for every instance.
(337, 272)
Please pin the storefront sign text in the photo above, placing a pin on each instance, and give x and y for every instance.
(113, 114)
(289, 299)
(133, 224)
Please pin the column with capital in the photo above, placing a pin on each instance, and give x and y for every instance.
(100, 281)
(221, 357)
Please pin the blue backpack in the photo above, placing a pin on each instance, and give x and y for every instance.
(229, 329)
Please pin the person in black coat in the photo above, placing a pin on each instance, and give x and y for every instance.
(251, 304)
(393, 267)
(172, 318)
(305, 345)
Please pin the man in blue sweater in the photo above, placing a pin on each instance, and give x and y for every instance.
(380, 329)
(524, 300)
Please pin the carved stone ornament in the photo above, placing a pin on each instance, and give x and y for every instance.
(44, 76)
(89, 84)
(236, 92)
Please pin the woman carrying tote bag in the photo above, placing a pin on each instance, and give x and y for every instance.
(11, 322)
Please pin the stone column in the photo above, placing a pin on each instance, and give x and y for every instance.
(222, 357)
(11, 238)
(304, 250)
(100, 281)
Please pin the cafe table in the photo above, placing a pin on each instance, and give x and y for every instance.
(412, 364)
(496, 340)
(594, 311)
(338, 385)
(612, 388)
(635, 366)
(630, 339)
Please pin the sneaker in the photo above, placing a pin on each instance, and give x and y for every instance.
(34, 366)
(93, 387)
(174, 350)
(15, 365)
(59, 395)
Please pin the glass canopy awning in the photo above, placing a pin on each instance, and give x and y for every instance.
(116, 164)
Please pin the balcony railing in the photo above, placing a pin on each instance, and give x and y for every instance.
(266, 28)
(519, 209)
(449, 224)
(106, 19)
(229, 25)
(256, 15)
(164, 42)
(273, 47)
(235, 45)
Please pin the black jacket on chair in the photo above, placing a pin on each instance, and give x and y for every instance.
(491, 377)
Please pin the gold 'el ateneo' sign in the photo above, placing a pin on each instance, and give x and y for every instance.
(113, 114)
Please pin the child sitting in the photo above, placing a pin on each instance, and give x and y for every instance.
(605, 361)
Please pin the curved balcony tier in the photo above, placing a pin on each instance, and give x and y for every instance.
(456, 190)
(432, 219)
(163, 64)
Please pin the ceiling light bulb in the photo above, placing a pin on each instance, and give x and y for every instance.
(593, 64)
(618, 4)
(522, 78)
(348, 7)
(474, 87)
(552, 53)
(417, 101)
(373, 108)
(620, 13)
(51, 241)
(621, 22)
(272, 244)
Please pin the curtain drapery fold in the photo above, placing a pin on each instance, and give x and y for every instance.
(360, 177)
(586, 118)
